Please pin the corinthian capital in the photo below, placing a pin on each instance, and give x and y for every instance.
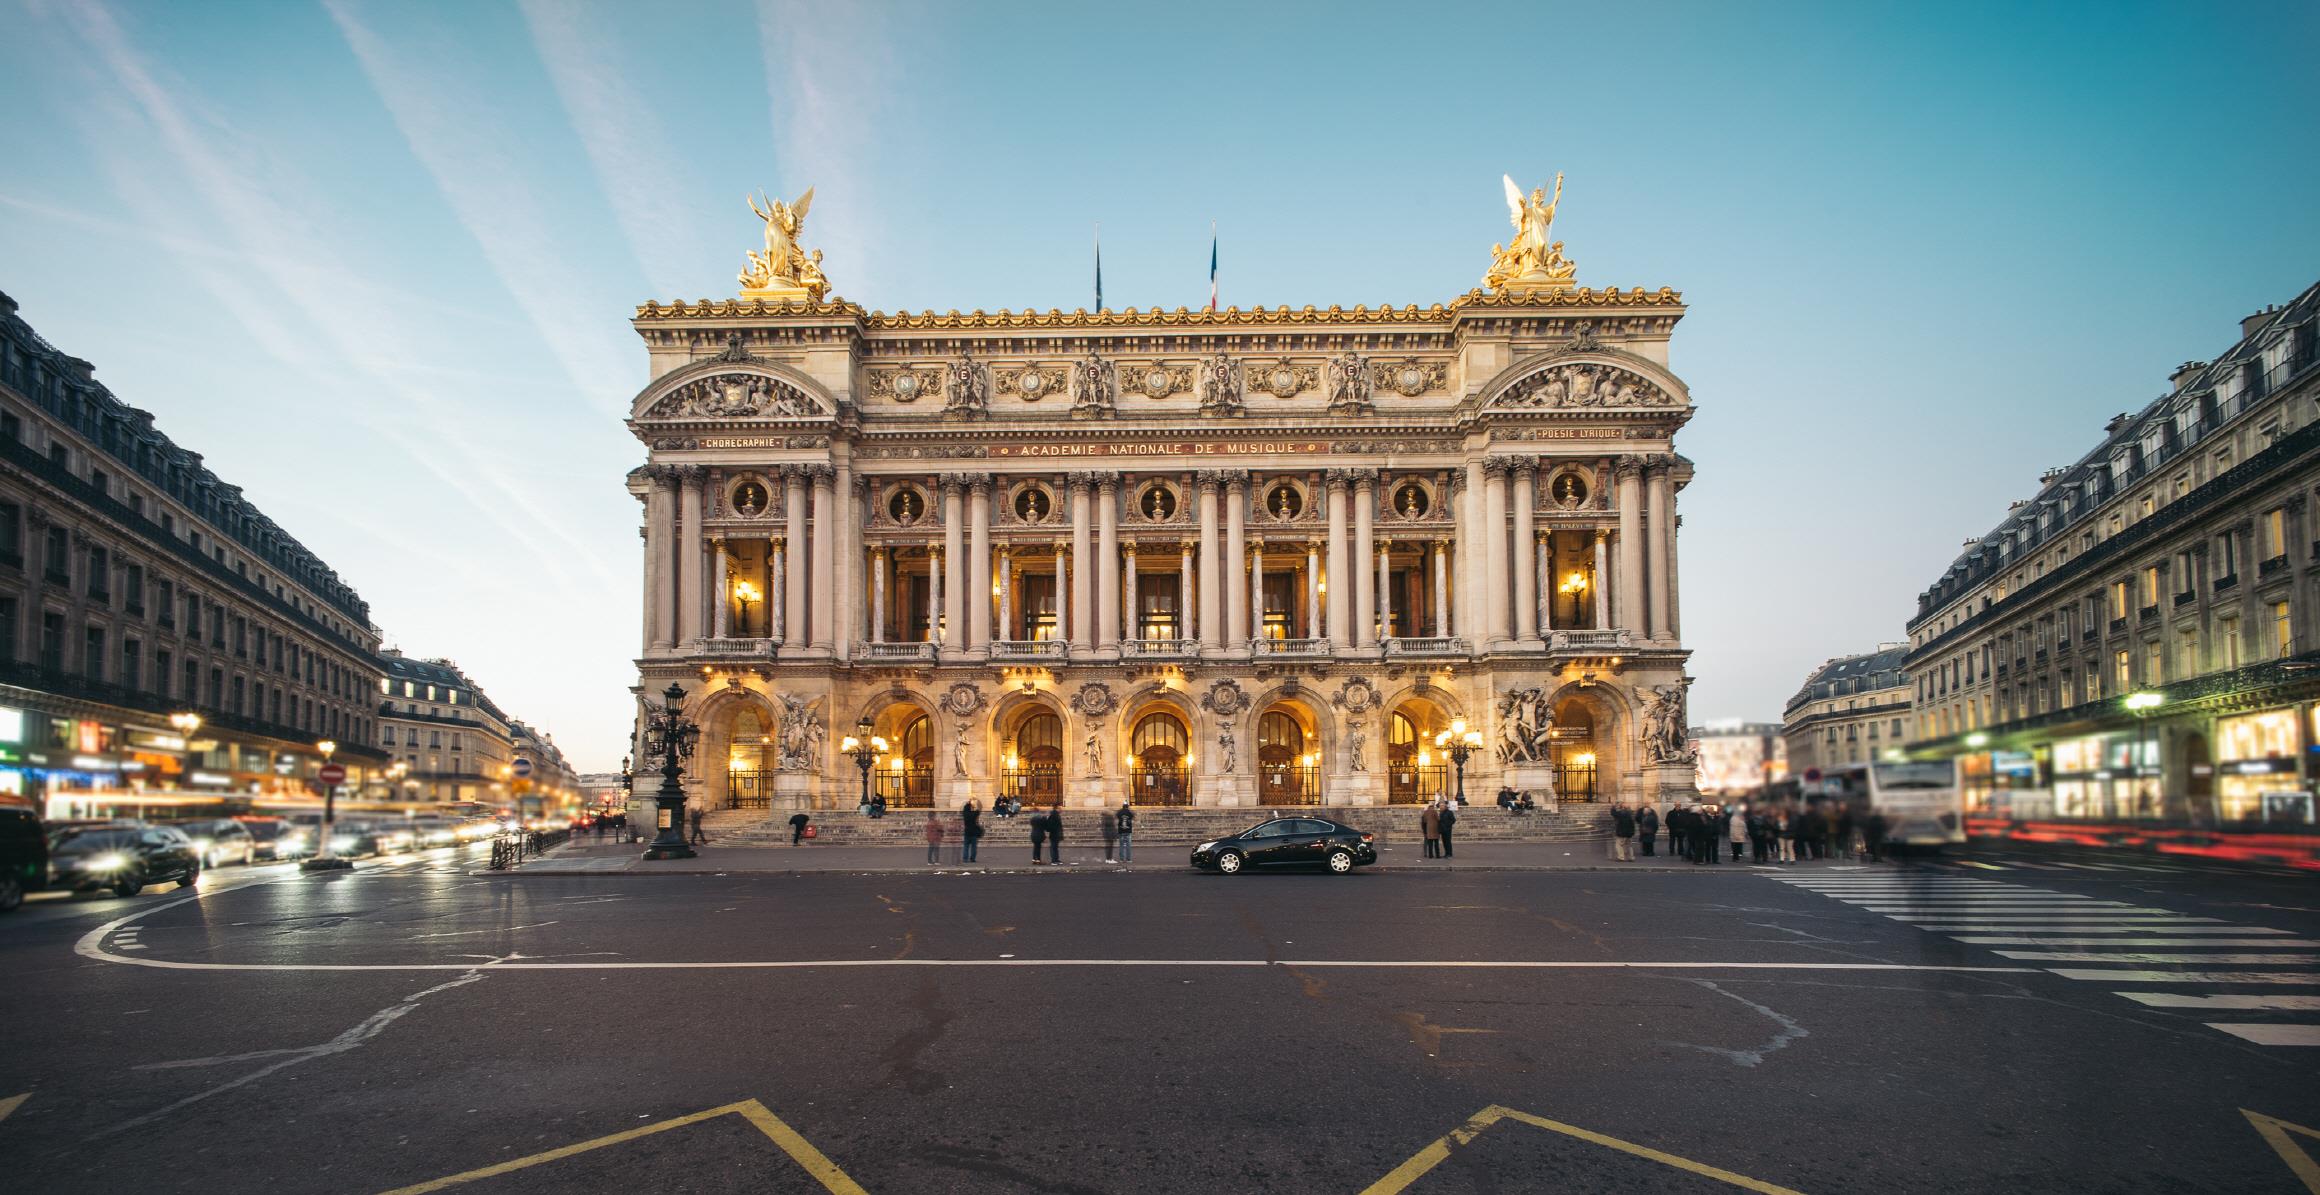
(1627, 468)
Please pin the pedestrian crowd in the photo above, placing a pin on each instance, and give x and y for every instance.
(1435, 821)
(1772, 832)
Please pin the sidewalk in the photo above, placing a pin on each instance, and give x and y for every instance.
(592, 858)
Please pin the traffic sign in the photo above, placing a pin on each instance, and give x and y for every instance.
(523, 766)
(331, 773)
(1812, 774)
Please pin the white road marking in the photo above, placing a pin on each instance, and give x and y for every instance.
(2095, 975)
(2273, 1035)
(2280, 943)
(2266, 1002)
(2094, 956)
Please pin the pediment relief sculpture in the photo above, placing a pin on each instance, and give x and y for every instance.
(1585, 384)
(734, 396)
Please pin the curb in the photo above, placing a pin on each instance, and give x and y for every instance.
(1075, 869)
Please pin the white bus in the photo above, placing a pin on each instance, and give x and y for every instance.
(1919, 799)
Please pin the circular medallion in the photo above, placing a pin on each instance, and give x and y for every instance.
(1031, 383)
(1284, 380)
(1411, 380)
(1156, 383)
(905, 387)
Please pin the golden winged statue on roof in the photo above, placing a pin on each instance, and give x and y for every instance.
(1534, 259)
(784, 270)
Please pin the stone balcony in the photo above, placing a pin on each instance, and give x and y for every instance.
(887, 652)
(734, 648)
(1290, 647)
(1030, 649)
(1426, 645)
(1616, 639)
(1159, 649)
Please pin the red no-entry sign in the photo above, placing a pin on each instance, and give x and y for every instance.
(331, 773)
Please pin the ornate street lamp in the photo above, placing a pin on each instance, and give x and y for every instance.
(865, 747)
(325, 858)
(669, 736)
(1459, 742)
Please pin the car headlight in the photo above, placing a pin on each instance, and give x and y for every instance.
(202, 845)
(1206, 846)
(341, 842)
(108, 861)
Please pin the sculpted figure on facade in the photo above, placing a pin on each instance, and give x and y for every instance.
(1533, 260)
(801, 735)
(1220, 386)
(1524, 726)
(1224, 699)
(1096, 382)
(959, 749)
(1093, 749)
(1349, 384)
(1094, 700)
(1666, 730)
(1227, 751)
(1584, 384)
(1356, 736)
(967, 393)
(784, 265)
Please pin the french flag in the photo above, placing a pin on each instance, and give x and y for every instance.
(1212, 266)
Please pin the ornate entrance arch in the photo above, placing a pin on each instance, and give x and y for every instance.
(1288, 755)
(1031, 767)
(1415, 772)
(1159, 758)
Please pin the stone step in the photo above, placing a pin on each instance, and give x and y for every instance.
(1392, 823)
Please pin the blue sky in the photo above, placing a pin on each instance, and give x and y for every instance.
(374, 260)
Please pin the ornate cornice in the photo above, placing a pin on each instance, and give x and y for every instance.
(1474, 300)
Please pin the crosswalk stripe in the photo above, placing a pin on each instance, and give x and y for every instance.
(2096, 975)
(2280, 943)
(1977, 863)
(2094, 956)
(2149, 929)
(2123, 918)
(2265, 1002)
(2273, 1035)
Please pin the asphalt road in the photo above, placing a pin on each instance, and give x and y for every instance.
(1817, 1029)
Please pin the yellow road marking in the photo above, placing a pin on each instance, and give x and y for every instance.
(2276, 1132)
(812, 1160)
(12, 1103)
(1439, 1151)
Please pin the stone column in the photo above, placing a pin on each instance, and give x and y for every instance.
(721, 591)
(1255, 598)
(1385, 588)
(1630, 475)
(689, 507)
(1602, 578)
(877, 595)
(1525, 567)
(937, 560)
(1128, 628)
(825, 576)
(1064, 578)
(848, 607)
(1107, 560)
(777, 591)
(1236, 555)
(794, 560)
(1189, 630)
(1492, 545)
(1313, 593)
(951, 614)
(1083, 584)
(1365, 621)
(1006, 595)
(1442, 588)
(659, 540)
(1675, 590)
(978, 605)
(1473, 606)
(1546, 583)
(1211, 605)
(1340, 600)
(1660, 512)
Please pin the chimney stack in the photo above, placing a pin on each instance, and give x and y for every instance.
(2248, 324)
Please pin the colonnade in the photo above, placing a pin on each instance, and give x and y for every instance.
(1491, 581)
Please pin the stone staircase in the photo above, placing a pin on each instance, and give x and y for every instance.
(1158, 827)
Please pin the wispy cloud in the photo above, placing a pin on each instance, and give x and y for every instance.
(654, 195)
(827, 68)
(434, 102)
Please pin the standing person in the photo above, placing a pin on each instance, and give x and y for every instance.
(1038, 835)
(1622, 834)
(797, 827)
(934, 837)
(1647, 828)
(970, 830)
(698, 836)
(1844, 831)
(1760, 833)
(1873, 830)
(1736, 829)
(1678, 821)
(600, 820)
(1448, 819)
(1055, 833)
(1127, 832)
(1784, 829)
(1109, 826)
(1430, 824)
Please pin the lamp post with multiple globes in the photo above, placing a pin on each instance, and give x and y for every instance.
(865, 747)
(1459, 742)
(669, 736)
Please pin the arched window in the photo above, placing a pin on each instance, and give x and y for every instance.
(1159, 751)
(1401, 739)
(918, 742)
(1159, 738)
(1034, 764)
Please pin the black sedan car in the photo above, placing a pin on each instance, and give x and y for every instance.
(1289, 842)
(122, 858)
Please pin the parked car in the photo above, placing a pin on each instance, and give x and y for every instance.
(435, 831)
(221, 840)
(122, 858)
(1289, 842)
(274, 837)
(23, 855)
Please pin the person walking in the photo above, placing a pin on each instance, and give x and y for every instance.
(1622, 834)
(1055, 833)
(970, 830)
(1647, 828)
(1873, 831)
(1430, 824)
(1784, 831)
(1109, 826)
(1038, 835)
(797, 827)
(600, 820)
(1127, 832)
(934, 837)
(1448, 819)
(698, 836)
(1735, 829)
(1760, 834)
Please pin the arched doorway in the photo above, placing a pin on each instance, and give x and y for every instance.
(752, 761)
(1572, 746)
(906, 775)
(1033, 768)
(1159, 751)
(1415, 772)
(1288, 759)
